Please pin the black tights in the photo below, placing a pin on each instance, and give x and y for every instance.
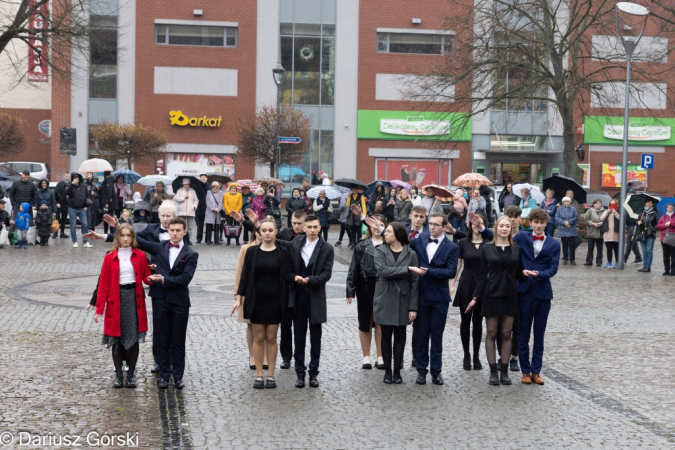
(492, 324)
(119, 354)
(612, 247)
(324, 230)
(399, 333)
(465, 331)
(343, 230)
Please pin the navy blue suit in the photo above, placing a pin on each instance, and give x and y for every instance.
(535, 295)
(434, 300)
(170, 304)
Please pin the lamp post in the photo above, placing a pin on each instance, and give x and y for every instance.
(629, 44)
(279, 74)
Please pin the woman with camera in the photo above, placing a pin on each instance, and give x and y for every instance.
(272, 205)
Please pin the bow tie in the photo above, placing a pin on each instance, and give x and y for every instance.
(172, 245)
(537, 238)
(435, 241)
(162, 230)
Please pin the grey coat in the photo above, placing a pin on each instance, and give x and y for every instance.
(213, 201)
(593, 216)
(396, 292)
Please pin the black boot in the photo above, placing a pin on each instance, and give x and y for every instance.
(494, 379)
(387, 376)
(467, 362)
(476, 363)
(504, 374)
(131, 380)
(119, 380)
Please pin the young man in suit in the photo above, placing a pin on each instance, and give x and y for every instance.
(539, 256)
(418, 215)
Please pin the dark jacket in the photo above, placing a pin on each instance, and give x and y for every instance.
(4, 219)
(77, 195)
(323, 210)
(246, 199)
(498, 278)
(546, 263)
(551, 209)
(295, 204)
(23, 192)
(434, 286)
(649, 221)
(402, 210)
(60, 195)
(605, 224)
(287, 234)
(43, 220)
(108, 194)
(46, 194)
(396, 292)
(201, 196)
(322, 270)
(362, 265)
(247, 285)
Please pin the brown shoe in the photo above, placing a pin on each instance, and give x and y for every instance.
(526, 379)
(536, 379)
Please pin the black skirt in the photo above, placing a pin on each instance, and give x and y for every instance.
(365, 291)
(500, 306)
(129, 334)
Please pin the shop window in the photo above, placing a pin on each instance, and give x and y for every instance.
(103, 58)
(416, 172)
(428, 44)
(196, 35)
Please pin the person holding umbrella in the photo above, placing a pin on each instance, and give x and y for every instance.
(526, 200)
(647, 234)
(667, 225)
(353, 223)
(158, 196)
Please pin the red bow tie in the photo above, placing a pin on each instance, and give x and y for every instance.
(171, 245)
(537, 238)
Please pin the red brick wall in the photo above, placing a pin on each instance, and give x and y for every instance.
(37, 145)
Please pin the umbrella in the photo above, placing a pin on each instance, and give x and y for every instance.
(403, 184)
(246, 182)
(331, 192)
(142, 205)
(372, 184)
(218, 176)
(151, 180)
(197, 185)
(95, 165)
(440, 192)
(342, 189)
(562, 184)
(636, 184)
(269, 180)
(535, 192)
(472, 180)
(130, 177)
(635, 204)
(351, 183)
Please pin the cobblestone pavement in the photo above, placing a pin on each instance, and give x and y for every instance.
(608, 366)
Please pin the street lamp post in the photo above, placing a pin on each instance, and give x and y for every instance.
(279, 74)
(629, 44)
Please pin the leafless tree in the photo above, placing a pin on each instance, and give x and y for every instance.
(12, 137)
(129, 142)
(549, 59)
(257, 135)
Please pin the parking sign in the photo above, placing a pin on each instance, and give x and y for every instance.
(647, 161)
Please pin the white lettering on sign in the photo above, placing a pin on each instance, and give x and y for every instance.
(638, 132)
(415, 126)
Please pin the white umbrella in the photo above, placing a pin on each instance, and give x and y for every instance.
(535, 192)
(151, 180)
(95, 165)
(331, 192)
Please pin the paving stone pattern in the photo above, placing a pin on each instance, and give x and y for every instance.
(608, 370)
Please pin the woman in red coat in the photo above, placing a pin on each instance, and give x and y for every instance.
(121, 296)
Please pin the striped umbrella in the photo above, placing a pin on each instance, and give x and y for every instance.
(331, 192)
(130, 177)
(151, 180)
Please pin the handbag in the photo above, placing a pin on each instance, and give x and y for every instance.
(56, 226)
(669, 239)
(222, 212)
(639, 231)
(4, 237)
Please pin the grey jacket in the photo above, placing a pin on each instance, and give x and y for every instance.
(396, 292)
(213, 201)
(591, 231)
(402, 211)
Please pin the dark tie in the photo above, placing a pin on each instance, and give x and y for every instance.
(537, 238)
(413, 234)
(294, 235)
(172, 245)
(162, 230)
(435, 241)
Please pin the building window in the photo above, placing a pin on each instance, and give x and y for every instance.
(427, 44)
(196, 35)
(103, 54)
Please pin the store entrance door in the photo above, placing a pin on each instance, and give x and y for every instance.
(503, 173)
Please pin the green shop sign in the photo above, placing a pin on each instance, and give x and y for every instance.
(641, 131)
(414, 125)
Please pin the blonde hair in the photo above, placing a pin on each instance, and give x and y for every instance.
(270, 219)
(125, 211)
(118, 235)
(502, 219)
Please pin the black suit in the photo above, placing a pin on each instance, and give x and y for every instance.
(308, 301)
(286, 341)
(170, 304)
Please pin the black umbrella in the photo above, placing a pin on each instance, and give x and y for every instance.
(217, 176)
(636, 202)
(196, 184)
(142, 205)
(351, 183)
(561, 185)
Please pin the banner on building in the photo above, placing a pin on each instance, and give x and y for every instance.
(641, 131)
(586, 183)
(414, 125)
(37, 43)
(611, 174)
(194, 164)
(416, 172)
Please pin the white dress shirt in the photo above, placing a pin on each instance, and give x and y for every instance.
(432, 247)
(163, 234)
(538, 245)
(127, 275)
(307, 250)
(173, 253)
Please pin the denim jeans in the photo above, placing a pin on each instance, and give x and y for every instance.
(74, 214)
(647, 251)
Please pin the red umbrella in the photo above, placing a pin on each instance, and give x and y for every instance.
(440, 192)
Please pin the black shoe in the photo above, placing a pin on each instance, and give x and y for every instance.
(155, 369)
(199, 242)
(666, 273)
(119, 381)
(259, 383)
(437, 379)
(131, 381)
(179, 383)
(265, 367)
(672, 274)
(476, 363)
(387, 377)
(564, 262)
(63, 236)
(494, 378)
(270, 383)
(588, 263)
(162, 383)
(251, 366)
(421, 379)
(300, 382)
(397, 377)
(504, 374)
(208, 243)
(645, 269)
(572, 263)
(414, 363)
(285, 364)
(514, 367)
(467, 363)
(636, 260)
(190, 243)
(313, 382)
(338, 243)
(55, 235)
(599, 264)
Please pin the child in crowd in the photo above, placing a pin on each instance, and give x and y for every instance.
(125, 217)
(43, 220)
(22, 223)
(141, 216)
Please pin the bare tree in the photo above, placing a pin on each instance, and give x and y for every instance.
(257, 135)
(130, 142)
(12, 137)
(551, 58)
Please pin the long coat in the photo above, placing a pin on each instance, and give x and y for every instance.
(213, 201)
(593, 216)
(187, 202)
(566, 214)
(108, 298)
(396, 291)
(323, 210)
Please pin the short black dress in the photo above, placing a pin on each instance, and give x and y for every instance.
(497, 281)
(267, 307)
(470, 256)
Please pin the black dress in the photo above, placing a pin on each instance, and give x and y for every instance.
(267, 308)
(496, 284)
(471, 257)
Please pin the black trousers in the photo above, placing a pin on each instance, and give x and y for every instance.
(301, 317)
(353, 232)
(286, 341)
(199, 222)
(399, 334)
(612, 247)
(568, 248)
(597, 244)
(62, 217)
(515, 336)
(170, 331)
(324, 230)
(632, 245)
(212, 230)
(343, 230)
(668, 258)
(113, 213)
